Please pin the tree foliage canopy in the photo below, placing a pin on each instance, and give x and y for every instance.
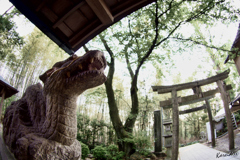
(9, 37)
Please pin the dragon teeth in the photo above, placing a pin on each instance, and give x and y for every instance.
(91, 60)
(80, 66)
(68, 74)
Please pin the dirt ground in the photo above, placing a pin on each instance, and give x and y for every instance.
(222, 144)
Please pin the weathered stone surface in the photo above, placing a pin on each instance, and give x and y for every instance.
(137, 155)
(43, 124)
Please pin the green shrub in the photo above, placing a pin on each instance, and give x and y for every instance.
(85, 150)
(120, 155)
(99, 152)
(112, 150)
(142, 143)
(113, 153)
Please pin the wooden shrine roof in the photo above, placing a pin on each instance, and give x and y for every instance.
(236, 44)
(235, 104)
(9, 90)
(72, 23)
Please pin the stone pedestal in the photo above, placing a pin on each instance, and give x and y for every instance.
(35, 148)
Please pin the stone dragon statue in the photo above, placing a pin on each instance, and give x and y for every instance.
(43, 123)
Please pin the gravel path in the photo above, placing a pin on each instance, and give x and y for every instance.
(222, 143)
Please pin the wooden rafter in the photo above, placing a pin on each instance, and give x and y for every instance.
(128, 8)
(102, 11)
(60, 20)
(41, 5)
(76, 40)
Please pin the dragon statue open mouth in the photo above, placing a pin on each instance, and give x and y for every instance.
(76, 71)
(91, 66)
(43, 123)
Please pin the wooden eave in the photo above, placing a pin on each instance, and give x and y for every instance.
(72, 23)
(236, 45)
(8, 89)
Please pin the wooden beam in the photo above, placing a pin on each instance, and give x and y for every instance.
(211, 122)
(175, 129)
(224, 95)
(85, 33)
(60, 20)
(41, 5)
(166, 89)
(192, 110)
(102, 11)
(193, 98)
(127, 6)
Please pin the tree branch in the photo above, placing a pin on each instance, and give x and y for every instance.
(199, 43)
(128, 63)
(170, 7)
(135, 38)
(7, 10)
(85, 48)
(164, 39)
(143, 59)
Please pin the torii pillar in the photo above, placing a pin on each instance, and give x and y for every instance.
(224, 95)
(175, 128)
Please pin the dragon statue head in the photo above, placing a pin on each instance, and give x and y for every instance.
(75, 74)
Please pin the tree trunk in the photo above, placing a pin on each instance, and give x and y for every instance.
(125, 131)
(114, 114)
